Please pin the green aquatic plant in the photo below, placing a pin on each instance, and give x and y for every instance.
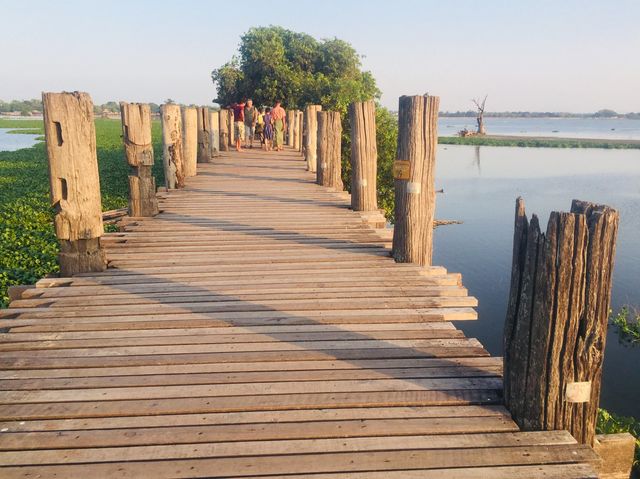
(28, 245)
(627, 324)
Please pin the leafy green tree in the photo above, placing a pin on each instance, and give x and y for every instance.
(279, 64)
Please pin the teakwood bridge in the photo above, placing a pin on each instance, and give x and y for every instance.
(254, 321)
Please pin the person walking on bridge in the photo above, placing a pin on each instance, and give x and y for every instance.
(279, 124)
(238, 123)
(250, 119)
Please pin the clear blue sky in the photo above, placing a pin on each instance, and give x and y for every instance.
(547, 55)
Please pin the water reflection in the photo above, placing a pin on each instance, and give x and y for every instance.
(482, 195)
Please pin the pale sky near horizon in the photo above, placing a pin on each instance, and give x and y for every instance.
(545, 55)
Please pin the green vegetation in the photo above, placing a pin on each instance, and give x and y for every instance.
(536, 142)
(28, 246)
(609, 423)
(627, 323)
(278, 64)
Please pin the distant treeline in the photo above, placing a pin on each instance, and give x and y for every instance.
(26, 107)
(543, 114)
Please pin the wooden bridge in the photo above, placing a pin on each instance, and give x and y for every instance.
(257, 327)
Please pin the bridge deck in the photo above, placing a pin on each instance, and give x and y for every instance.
(257, 327)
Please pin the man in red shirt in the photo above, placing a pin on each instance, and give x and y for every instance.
(238, 123)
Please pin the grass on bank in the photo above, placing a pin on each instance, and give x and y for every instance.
(537, 142)
(28, 245)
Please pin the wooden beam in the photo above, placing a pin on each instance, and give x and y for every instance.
(364, 156)
(414, 172)
(136, 135)
(329, 152)
(75, 184)
(190, 140)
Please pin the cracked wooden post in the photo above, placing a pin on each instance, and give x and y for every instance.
(364, 156)
(414, 171)
(204, 135)
(231, 128)
(172, 146)
(311, 121)
(214, 121)
(224, 130)
(329, 152)
(75, 183)
(189, 140)
(138, 148)
(291, 114)
(556, 322)
(300, 132)
(295, 130)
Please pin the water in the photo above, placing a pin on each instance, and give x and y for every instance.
(604, 128)
(13, 142)
(480, 187)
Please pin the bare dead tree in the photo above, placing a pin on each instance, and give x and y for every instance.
(480, 115)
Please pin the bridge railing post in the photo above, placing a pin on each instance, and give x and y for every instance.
(290, 127)
(172, 157)
(204, 135)
(231, 128)
(214, 121)
(189, 140)
(311, 122)
(414, 171)
(364, 156)
(70, 137)
(224, 129)
(556, 322)
(138, 148)
(299, 127)
(329, 172)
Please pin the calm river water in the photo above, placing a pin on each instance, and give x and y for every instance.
(480, 187)
(13, 142)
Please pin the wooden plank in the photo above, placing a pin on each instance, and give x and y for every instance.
(323, 463)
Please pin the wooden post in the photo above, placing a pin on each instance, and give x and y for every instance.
(556, 323)
(231, 128)
(364, 156)
(189, 140)
(290, 127)
(295, 128)
(329, 152)
(300, 130)
(310, 119)
(138, 149)
(75, 183)
(414, 171)
(172, 146)
(214, 121)
(204, 135)
(224, 130)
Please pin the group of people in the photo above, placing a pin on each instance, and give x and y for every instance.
(267, 124)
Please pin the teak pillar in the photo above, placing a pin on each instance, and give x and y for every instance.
(295, 130)
(138, 149)
(231, 128)
(224, 130)
(290, 127)
(172, 146)
(190, 140)
(364, 156)
(204, 135)
(311, 122)
(329, 152)
(556, 323)
(300, 130)
(75, 183)
(414, 171)
(214, 121)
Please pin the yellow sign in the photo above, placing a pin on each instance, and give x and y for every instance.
(401, 169)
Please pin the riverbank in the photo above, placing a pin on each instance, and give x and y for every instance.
(538, 142)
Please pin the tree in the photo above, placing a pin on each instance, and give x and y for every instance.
(279, 64)
(480, 115)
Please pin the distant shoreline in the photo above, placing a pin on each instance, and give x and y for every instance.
(539, 142)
